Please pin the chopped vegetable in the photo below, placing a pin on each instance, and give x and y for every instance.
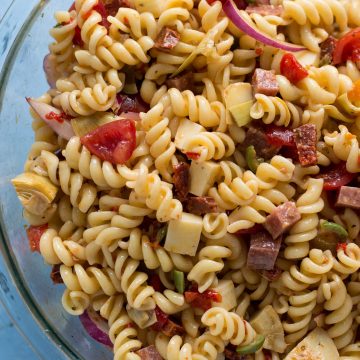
(329, 236)
(86, 124)
(113, 142)
(341, 246)
(141, 318)
(35, 192)
(332, 227)
(280, 136)
(292, 69)
(239, 99)
(251, 159)
(179, 281)
(53, 117)
(202, 300)
(205, 46)
(161, 234)
(34, 234)
(252, 347)
(240, 21)
(96, 326)
(336, 176)
(267, 322)
(317, 345)
(348, 47)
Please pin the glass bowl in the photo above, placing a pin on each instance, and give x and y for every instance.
(26, 289)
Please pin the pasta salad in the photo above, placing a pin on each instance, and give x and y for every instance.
(193, 180)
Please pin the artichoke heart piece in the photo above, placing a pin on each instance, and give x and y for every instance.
(84, 124)
(35, 192)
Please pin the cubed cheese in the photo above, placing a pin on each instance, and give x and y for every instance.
(316, 346)
(185, 129)
(202, 176)
(183, 235)
(227, 291)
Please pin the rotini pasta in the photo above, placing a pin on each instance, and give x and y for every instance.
(183, 175)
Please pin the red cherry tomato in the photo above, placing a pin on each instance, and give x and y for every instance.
(34, 234)
(202, 300)
(280, 136)
(292, 69)
(336, 176)
(348, 47)
(113, 142)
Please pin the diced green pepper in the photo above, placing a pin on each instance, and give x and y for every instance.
(253, 347)
(161, 234)
(334, 228)
(251, 159)
(179, 281)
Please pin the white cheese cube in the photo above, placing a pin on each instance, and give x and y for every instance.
(185, 129)
(202, 175)
(183, 235)
(227, 291)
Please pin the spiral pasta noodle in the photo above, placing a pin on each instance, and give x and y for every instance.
(194, 183)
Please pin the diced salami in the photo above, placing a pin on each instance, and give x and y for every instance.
(167, 39)
(305, 139)
(265, 9)
(281, 219)
(327, 49)
(349, 197)
(149, 353)
(256, 136)
(181, 179)
(200, 205)
(271, 275)
(55, 275)
(171, 329)
(181, 82)
(264, 82)
(263, 251)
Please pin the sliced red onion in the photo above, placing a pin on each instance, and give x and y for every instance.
(96, 326)
(233, 13)
(49, 66)
(62, 128)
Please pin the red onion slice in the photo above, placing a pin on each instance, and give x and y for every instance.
(62, 128)
(96, 326)
(49, 66)
(233, 13)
